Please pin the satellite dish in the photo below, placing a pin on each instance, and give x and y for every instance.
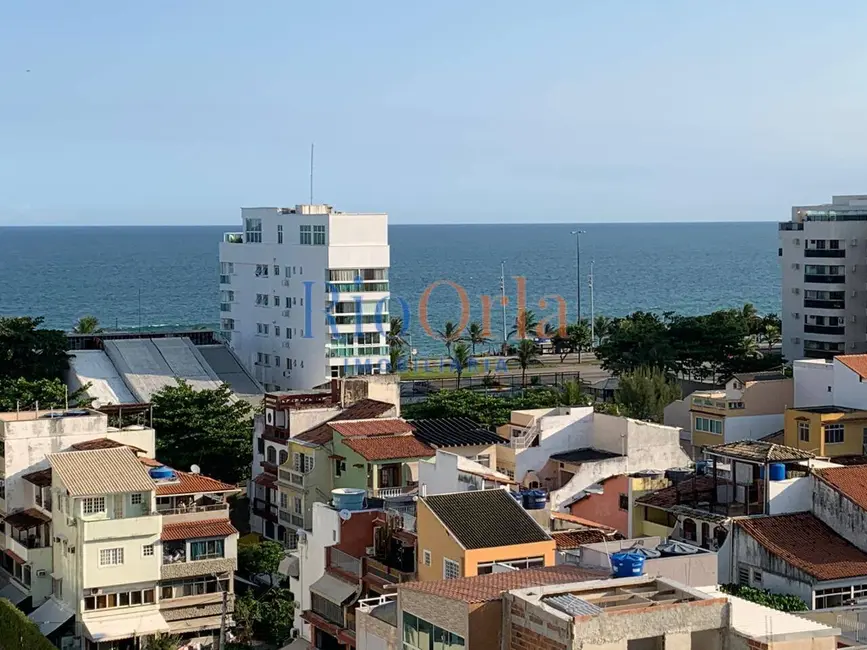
(195, 469)
(345, 514)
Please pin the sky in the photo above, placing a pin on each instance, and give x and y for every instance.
(168, 112)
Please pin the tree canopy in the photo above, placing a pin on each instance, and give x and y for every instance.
(30, 352)
(260, 559)
(644, 394)
(25, 394)
(206, 428)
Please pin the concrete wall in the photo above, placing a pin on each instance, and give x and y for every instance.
(697, 570)
(791, 495)
(311, 557)
(474, 557)
(605, 508)
(812, 379)
(558, 434)
(677, 414)
(849, 389)
(451, 615)
(778, 576)
(752, 427)
(841, 514)
(373, 634)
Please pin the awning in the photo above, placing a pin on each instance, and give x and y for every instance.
(198, 624)
(289, 566)
(266, 480)
(333, 589)
(13, 594)
(126, 627)
(50, 615)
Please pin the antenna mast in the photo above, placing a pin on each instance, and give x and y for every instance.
(311, 173)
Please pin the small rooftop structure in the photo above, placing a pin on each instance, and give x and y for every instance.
(747, 377)
(101, 471)
(455, 432)
(364, 409)
(373, 427)
(855, 362)
(758, 452)
(485, 519)
(824, 410)
(388, 447)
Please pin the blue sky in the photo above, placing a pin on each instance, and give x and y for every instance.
(167, 112)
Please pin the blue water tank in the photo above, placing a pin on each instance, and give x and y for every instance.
(348, 498)
(516, 496)
(778, 472)
(162, 473)
(627, 565)
(701, 467)
(538, 499)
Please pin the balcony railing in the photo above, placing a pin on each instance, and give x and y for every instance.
(217, 507)
(825, 304)
(826, 279)
(369, 604)
(387, 573)
(704, 401)
(233, 237)
(291, 476)
(345, 562)
(386, 492)
(791, 225)
(825, 252)
(823, 329)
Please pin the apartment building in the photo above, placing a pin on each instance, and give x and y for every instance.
(749, 407)
(822, 257)
(304, 294)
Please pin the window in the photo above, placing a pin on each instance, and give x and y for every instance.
(260, 443)
(834, 597)
(804, 431)
(339, 465)
(418, 634)
(262, 329)
(192, 587)
(262, 299)
(284, 456)
(279, 234)
(227, 268)
(757, 578)
(276, 270)
(93, 505)
(262, 270)
(147, 550)
(298, 506)
(690, 532)
(284, 501)
(709, 426)
(451, 569)
(306, 235)
(110, 556)
(272, 455)
(135, 499)
(119, 599)
(276, 361)
(623, 502)
(426, 558)
(319, 235)
(833, 433)
(277, 331)
(522, 563)
(227, 324)
(744, 576)
(253, 231)
(206, 550)
(484, 459)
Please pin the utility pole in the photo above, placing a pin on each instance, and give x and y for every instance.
(223, 620)
(578, 234)
(592, 311)
(503, 301)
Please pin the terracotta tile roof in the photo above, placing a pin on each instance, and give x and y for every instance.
(575, 519)
(197, 530)
(389, 447)
(850, 481)
(855, 362)
(480, 589)
(807, 544)
(485, 519)
(569, 539)
(758, 451)
(668, 497)
(189, 483)
(365, 409)
(42, 478)
(150, 462)
(101, 443)
(266, 480)
(27, 518)
(101, 471)
(382, 427)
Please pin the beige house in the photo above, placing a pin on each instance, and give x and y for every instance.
(748, 407)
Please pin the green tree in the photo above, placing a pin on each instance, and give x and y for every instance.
(485, 409)
(207, 427)
(526, 356)
(601, 327)
(30, 352)
(571, 394)
(87, 325)
(246, 614)
(644, 394)
(526, 324)
(163, 642)
(396, 343)
(476, 336)
(449, 334)
(751, 318)
(25, 394)
(260, 559)
(579, 336)
(771, 335)
(276, 616)
(461, 358)
(640, 339)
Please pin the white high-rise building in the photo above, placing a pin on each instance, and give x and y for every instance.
(304, 294)
(824, 279)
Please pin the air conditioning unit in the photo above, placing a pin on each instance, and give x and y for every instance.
(796, 266)
(796, 290)
(287, 344)
(854, 242)
(796, 340)
(287, 373)
(854, 268)
(794, 315)
(287, 312)
(293, 633)
(853, 318)
(70, 521)
(95, 591)
(41, 573)
(286, 283)
(796, 241)
(72, 549)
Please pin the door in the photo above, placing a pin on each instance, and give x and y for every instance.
(389, 476)
(118, 506)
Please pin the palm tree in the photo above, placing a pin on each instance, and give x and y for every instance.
(476, 336)
(571, 394)
(396, 342)
(526, 356)
(525, 323)
(751, 317)
(395, 355)
(87, 325)
(579, 336)
(449, 335)
(601, 328)
(461, 358)
(771, 335)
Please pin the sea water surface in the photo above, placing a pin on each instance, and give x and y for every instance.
(169, 276)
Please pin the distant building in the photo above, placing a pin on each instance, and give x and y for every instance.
(304, 294)
(822, 252)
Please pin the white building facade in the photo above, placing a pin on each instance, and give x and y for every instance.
(824, 275)
(304, 294)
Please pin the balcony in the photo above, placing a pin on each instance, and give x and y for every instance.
(345, 562)
(293, 478)
(233, 237)
(825, 279)
(386, 492)
(195, 512)
(824, 329)
(387, 573)
(791, 225)
(262, 508)
(708, 403)
(825, 252)
(825, 304)
(105, 529)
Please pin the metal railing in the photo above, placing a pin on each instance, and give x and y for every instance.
(499, 385)
(824, 252)
(384, 493)
(369, 604)
(404, 519)
(387, 573)
(193, 508)
(527, 435)
(345, 562)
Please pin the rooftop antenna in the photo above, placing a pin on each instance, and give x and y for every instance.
(311, 173)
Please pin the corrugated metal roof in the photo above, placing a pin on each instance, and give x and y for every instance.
(572, 605)
(197, 530)
(101, 471)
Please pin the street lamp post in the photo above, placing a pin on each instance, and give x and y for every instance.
(578, 234)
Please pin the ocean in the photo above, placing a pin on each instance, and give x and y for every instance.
(689, 268)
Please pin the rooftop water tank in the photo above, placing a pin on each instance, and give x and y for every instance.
(109, 429)
(348, 498)
(627, 565)
(778, 472)
(134, 427)
(161, 473)
(534, 499)
(647, 552)
(672, 548)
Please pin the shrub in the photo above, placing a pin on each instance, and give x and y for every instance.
(17, 631)
(783, 603)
